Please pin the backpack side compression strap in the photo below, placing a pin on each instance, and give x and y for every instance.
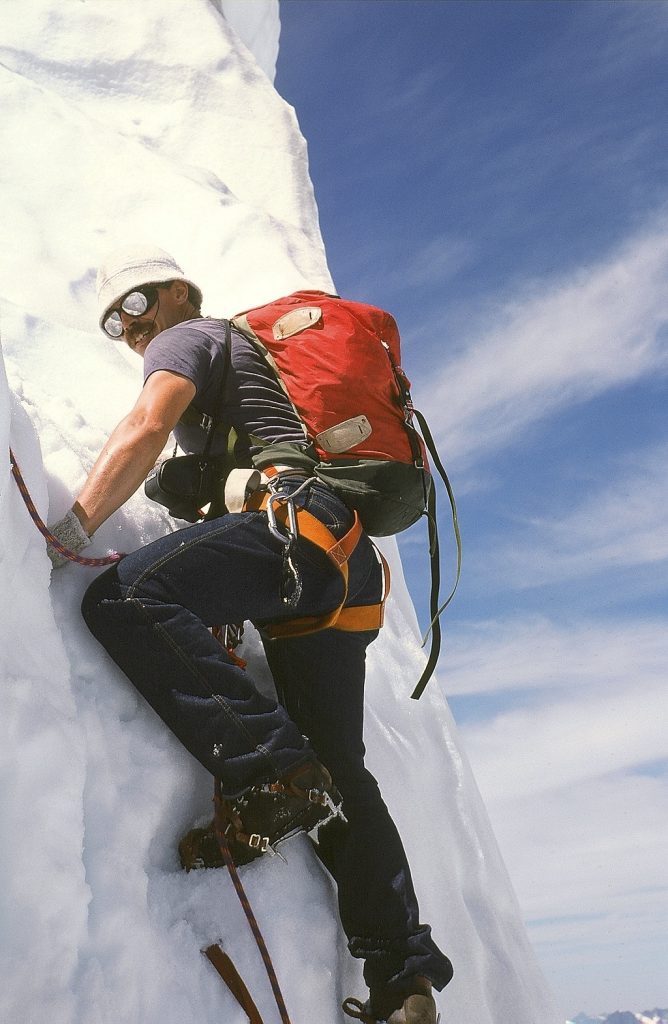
(435, 624)
(434, 608)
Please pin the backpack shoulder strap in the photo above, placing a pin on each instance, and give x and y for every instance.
(193, 417)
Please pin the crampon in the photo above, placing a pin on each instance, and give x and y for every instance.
(264, 816)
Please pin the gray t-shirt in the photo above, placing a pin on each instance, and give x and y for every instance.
(242, 392)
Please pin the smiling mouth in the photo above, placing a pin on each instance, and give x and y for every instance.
(138, 334)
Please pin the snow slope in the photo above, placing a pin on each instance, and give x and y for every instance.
(163, 126)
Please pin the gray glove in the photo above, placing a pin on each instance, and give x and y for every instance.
(71, 535)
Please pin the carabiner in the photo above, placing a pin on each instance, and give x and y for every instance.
(292, 525)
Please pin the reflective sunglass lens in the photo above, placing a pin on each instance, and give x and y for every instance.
(135, 303)
(113, 326)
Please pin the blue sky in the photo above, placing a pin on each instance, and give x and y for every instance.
(494, 173)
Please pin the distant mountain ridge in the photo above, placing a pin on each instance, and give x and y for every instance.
(656, 1016)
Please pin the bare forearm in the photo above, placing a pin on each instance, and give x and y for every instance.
(124, 463)
(131, 451)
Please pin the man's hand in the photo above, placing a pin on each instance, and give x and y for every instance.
(71, 535)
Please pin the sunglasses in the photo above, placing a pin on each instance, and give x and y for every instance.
(135, 303)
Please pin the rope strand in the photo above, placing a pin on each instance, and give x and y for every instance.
(222, 841)
(46, 533)
(248, 910)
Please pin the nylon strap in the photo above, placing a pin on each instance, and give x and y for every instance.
(245, 903)
(352, 619)
(435, 626)
(362, 617)
(234, 981)
(434, 608)
(192, 417)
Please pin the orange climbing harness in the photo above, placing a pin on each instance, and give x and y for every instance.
(354, 618)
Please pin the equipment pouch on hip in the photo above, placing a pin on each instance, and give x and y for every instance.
(184, 484)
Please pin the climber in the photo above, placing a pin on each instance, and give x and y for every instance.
(154, 610)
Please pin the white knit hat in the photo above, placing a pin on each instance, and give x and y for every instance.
(131, 267)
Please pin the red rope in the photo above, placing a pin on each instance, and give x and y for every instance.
(44, 530)
(248, 910)
(222, 841)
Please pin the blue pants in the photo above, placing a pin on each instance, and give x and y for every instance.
(152, 613)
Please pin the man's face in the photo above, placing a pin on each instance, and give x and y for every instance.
(169, 308)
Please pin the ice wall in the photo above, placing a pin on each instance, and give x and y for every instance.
(172, 132)
(257, 25)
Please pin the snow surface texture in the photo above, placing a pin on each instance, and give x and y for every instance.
(164, 127)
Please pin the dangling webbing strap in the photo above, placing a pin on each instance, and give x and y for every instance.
(350, 619)
(245, 903)
(234, 981)
(434, 558)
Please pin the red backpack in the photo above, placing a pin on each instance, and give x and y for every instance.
(339, 363)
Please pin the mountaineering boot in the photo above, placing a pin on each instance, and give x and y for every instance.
(311, 787)
(303, 800)
(418, 1007)
(312, 782)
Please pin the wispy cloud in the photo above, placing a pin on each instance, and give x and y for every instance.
(588, 863)
(535, 654)
(619, 525)
(560, 344)
(575, 779)
(635, 39)
(432, 262)
(563, 742)
(611, 829)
